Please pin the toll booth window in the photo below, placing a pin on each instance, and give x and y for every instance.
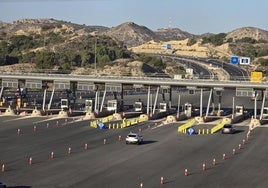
(88, 103)
(137, 105)
(163, 107)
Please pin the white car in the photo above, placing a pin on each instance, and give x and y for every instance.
(228, 129)
(134, 138)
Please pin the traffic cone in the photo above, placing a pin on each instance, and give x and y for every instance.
(18, 131)
(104, 141)
(186, 172)
(47, 125)
(52, 155)
(3, 168)
(57, 123)
(223, 156)
(69, 151)
(162, 180)
(30, 161)
(204, 167)
(214, 162)
(85, 147)
(239, 146)
(233, 151)
(119, 138)
(244, 141)
(141, 185)
(34, 128)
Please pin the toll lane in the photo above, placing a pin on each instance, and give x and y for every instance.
(164, 153)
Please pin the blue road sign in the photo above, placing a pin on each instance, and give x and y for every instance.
(234, 60)
(190, 131)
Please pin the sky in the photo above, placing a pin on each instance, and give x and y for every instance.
(193, 16)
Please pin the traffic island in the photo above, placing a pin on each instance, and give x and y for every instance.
(9, 111)
(36, 112)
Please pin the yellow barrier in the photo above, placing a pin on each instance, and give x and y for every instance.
(125, 122)
(220, 126)
(185, 126)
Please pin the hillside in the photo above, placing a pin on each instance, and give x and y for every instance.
(53, 43)
(131, 34)
(248, 32)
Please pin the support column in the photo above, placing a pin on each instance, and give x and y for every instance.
(44, 99)
(263, 102)
(155, 100)
(201, 102)
(148, 101)
(209, 100)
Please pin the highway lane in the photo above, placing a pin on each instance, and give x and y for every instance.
(165, 153)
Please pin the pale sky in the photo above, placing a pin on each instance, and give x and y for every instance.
(193, 16)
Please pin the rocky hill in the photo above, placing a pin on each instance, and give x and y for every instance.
(74, 44)
(131, 33)
(248, 32)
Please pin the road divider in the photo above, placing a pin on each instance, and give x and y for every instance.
(110, 123)
(220, 125)
(184, 127)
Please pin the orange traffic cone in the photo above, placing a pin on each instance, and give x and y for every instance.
(30, 161)
(204, 167)
(85, 147)
(214, 162)
(186, 172)
(69, 151)
(3, 168)
(52, 155)
(161, 180)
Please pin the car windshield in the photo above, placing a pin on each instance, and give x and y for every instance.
(228, 126)
(132, 135)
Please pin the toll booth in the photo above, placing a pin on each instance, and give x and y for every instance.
(239, 110)
(88, 105)
(188, 109)
(162, 107)
(112, 105)
(64, 103)
(138, 106)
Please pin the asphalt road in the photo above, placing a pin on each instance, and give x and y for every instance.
(164, 153)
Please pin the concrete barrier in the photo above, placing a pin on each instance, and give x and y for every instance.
(171, 119)
(117, 116)
(199, 119)
(143, 117)
(36, 112)
(89, 115)
(254, 123)
(9, 111)
(62, 113)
